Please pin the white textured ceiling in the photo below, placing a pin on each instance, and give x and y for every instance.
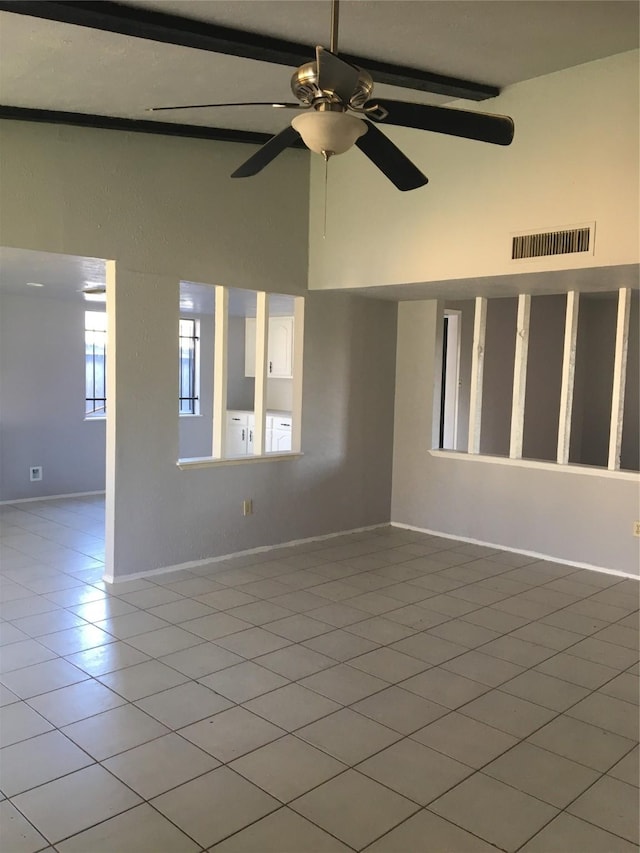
(61, 276)
(66, 276)
(49, 65)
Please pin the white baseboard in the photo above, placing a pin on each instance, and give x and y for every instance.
(52, 497)
(110, 578)
(522, 551)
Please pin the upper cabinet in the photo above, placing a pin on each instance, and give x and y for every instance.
(280, 348)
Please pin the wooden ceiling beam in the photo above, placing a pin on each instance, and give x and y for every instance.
(174, 29)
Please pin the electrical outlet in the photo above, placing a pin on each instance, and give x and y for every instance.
(35, 473)
(247, 507)
(636, 528)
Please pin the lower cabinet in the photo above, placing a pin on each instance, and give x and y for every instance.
(239, 438)
(280, 435)
(240, 431)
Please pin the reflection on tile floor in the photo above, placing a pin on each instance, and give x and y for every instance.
(385, 691)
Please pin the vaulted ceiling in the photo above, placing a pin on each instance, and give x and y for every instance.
(49, 61)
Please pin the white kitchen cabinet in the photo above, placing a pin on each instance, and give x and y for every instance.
(279, 348)
(239, 438)
(241, 428)
(280, 435)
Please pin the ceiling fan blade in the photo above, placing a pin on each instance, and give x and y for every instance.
(390, 159)
(280, 105)
(469, 125)
(336, 75)
(268, 152)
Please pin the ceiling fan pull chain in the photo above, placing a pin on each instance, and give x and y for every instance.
(326, 192)
(335, 19)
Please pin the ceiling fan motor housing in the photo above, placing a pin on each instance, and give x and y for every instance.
(305, 87)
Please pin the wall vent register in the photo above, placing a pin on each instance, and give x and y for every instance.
(544, 243)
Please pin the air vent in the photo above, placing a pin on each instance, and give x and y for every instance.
(543, 243)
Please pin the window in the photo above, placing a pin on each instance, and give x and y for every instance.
(188, 388)
(95, 343)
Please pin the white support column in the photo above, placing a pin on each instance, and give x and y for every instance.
(298, 353)
(477, 367)
(260, 396)
(619, 377)
(568, 376)
(520, 376)
(220, 372)
(110, 485)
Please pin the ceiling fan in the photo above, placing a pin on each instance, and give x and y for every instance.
(338, 111)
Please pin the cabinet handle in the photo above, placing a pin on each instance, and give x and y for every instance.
(270, 367)
(250, 435)
(235, 419)
(285, 425)
(243, 434)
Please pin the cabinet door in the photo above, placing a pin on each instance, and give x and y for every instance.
(281, 440)
(236, 441)
(280, 348)
(251, 423)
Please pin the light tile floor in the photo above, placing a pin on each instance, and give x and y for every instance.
(385, 691)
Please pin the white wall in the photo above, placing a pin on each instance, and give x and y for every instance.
(166, 210)
(567, 516)
(574, 159)
(42, 399)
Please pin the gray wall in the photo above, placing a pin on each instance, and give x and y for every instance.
(497, 384)
(165, 210)
(240, 388)
(584, 518)
(544, 377)
(42, 396)
(595, 349)
(629, 457)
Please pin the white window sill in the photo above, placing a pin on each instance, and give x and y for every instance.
(210, 462)
(187, 415)
(589, 470)
(91, 418)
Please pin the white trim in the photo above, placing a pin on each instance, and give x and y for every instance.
(52, 497)
(568, 376)
(221, 330)
(477, 369)
(619, 377)
(297, 366)
(259, 550)
(210, 462)
(538, 463)
(520, 376)
(451, 390)
(261, 346)
(522, 551)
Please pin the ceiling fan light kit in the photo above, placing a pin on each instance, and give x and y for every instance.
(329, 132)
(338, 111)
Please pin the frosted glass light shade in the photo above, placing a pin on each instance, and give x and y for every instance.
(329, 132)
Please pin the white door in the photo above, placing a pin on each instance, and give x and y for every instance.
(236, 439)
(281, 441)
